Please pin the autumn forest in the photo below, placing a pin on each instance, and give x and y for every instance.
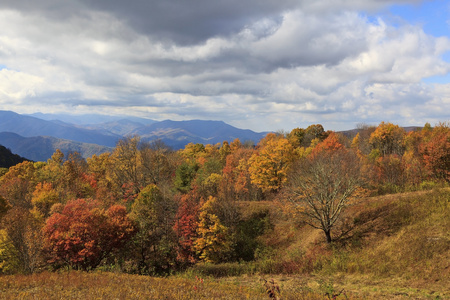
(146, 209)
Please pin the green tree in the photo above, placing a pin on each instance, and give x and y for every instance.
(155, 241)
(184, 175)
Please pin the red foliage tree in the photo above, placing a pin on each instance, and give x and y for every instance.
(82, 235)
(186, 227)
(331, 143)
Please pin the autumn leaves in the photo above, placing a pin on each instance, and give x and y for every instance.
(147, 209)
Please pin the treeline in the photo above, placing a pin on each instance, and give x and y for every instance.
(147, 209)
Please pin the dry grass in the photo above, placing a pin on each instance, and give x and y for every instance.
(400, 242)
(79, 285)
(96, 285)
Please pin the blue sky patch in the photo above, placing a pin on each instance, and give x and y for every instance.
(432, 16)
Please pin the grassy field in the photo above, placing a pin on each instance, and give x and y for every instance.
(98, 285)
(389, 247)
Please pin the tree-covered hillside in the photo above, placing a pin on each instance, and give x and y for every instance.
(299, 202)
(8, 159)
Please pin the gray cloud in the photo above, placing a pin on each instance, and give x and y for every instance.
(263, 65)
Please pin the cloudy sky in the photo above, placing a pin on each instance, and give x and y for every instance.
(256, 64)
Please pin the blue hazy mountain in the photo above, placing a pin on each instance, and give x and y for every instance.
(28, 126)
(41, 148)
(36, 138)
(177, 134)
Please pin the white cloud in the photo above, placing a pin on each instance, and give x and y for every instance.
(15, 86)
(267, 68)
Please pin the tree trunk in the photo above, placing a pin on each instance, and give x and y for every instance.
(328, 235)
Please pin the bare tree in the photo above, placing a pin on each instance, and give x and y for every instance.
(322, 185)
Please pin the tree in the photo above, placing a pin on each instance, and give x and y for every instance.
(22, 235)
(214, 243)
(388, 139)
(126, 161)
(361, 140)
(155, 241)
(331, 143)
(101, 172)
(296, 136)
(18, 183)
(184, 175)
(186, 226)
(157, 162)
(313, 132)
(322, 185)
(74, 175)
(44, 196)
(83, 234)
(389, 171)
(236, 181)
(436, 152)
(269, 167)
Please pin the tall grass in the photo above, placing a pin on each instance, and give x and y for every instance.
(98, 285)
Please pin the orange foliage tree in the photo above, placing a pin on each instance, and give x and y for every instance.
(331, 143)
(436, 152)
(82, 235)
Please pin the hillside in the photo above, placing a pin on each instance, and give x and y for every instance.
(397, 247)
(8, 159)
(392, 246)
(326, 220)
(41, 148)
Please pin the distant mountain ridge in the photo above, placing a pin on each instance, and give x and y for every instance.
(27, 126)
(37, 139)
(178, 133)
(41, 148)
(88, 118)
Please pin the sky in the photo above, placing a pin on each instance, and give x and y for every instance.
(263, 65)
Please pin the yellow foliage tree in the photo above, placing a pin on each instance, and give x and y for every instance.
(388, 139)
(214, 242)
(44, 196)
(269, 166)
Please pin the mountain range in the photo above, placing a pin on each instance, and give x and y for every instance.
(37, 136)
